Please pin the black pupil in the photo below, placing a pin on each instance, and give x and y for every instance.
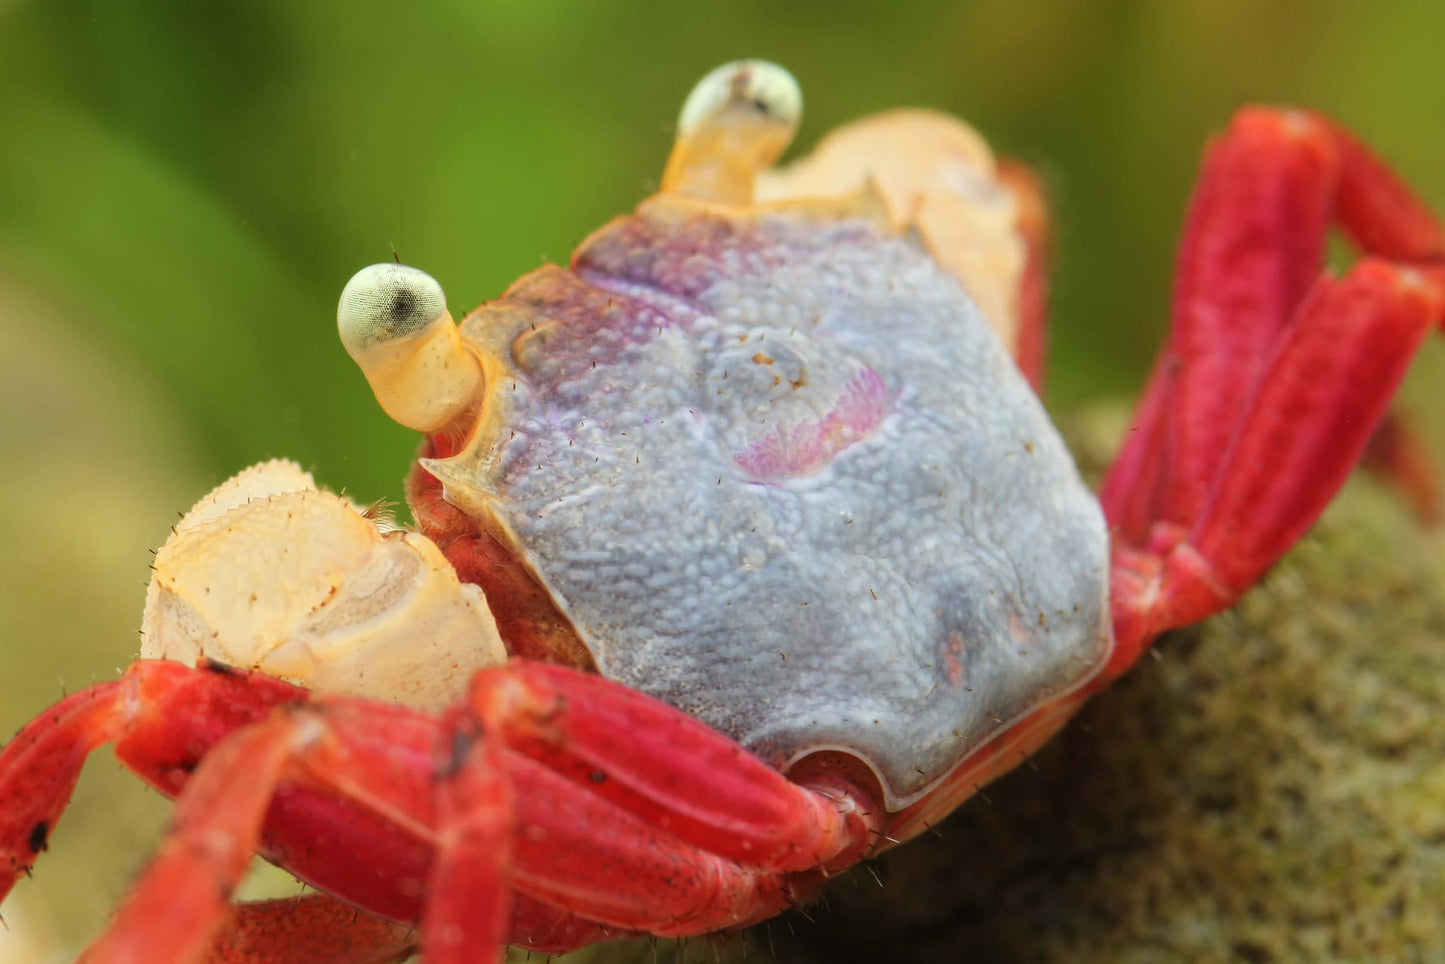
(403, 305)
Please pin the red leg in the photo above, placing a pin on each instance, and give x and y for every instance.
(672, 829)
(183, 899)
(466, 916)
(247, 742)
(39, 768)
(1382, 215)
(1033, 225)
(670, 770)
(1273, 378)
(314, 929)
(176, 712)
(1252, 245)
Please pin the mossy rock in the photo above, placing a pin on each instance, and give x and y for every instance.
(1269, 788)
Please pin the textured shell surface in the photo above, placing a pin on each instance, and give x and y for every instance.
(779, 473)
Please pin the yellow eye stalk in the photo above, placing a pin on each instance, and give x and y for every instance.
(737, 121)
(394, 322)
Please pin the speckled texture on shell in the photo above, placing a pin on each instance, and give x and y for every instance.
(780, 474)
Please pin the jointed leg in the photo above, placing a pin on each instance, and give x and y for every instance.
(311, 929)
(524, 796)
(184, 897)
(163, 718)
(1031, 346)
(633, 814)
(466, 916)
(1274, 377)
(172, 711)
(180, 910)
(39, 768)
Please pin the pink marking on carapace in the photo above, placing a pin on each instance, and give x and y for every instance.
(806, 446)
(953, 653)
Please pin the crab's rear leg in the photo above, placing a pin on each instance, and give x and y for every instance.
(317, 928)
(1032, 305)
(162, 717)
(1274, 376)
(310, 929)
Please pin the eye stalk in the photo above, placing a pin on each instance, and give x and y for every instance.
(737, 121)
(394, 322)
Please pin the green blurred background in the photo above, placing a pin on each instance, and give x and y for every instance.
(185, 187)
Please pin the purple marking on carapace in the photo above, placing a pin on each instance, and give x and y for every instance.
(806, 446)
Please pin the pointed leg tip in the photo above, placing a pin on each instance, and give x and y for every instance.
(1426, 284)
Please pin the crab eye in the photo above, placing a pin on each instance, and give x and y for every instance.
(394, 322)
(385, 302)
(736, 123)
(753, 85)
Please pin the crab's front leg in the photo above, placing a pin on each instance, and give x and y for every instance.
(1275, 375)
(520, 808)
(628, 813)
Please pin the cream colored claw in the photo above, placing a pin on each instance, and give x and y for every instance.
(394, 322)
(270, 573)
(737, 121)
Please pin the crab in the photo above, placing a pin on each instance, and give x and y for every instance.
(744, 551)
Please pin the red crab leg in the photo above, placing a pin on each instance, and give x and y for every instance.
(1033, 225)
(39, 768)
(1378, 211)
(184, 897)
(41, 764)
(599, 770)
(179, 910)
(1273, 377)
(1253, 243)
(466, 918)
(319, 929)
(312, 929)
(182, 902)
(627, 813)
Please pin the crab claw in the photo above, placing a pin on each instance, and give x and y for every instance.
(269, 572)
(737, 122)
(394, 322)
